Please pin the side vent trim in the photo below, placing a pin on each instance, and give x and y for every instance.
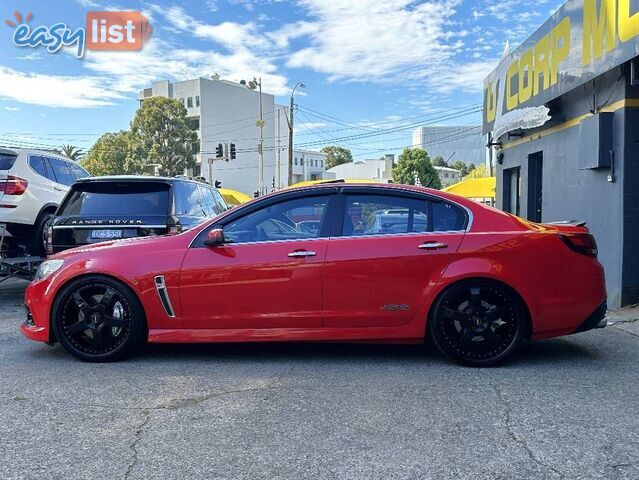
(160, 286)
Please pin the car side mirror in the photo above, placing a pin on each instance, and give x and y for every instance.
(214, 238)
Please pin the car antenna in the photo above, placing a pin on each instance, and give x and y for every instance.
(440, 169)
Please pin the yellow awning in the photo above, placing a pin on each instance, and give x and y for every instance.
(308, 183)
(474, 188)
(233, 197)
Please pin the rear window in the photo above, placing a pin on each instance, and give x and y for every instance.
(121, 199)
(7, 161)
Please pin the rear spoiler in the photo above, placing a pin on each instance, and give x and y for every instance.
(572, 223)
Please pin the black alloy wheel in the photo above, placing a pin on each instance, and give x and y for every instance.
(38, 245)
(97, 319)
(478, 323)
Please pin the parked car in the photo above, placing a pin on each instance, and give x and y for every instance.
(475, 280)
(107, 208)
(32, 185)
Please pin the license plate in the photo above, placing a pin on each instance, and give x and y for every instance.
(106, 234)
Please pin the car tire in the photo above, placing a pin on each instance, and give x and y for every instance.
(478, 323)
(98, 319)
(38, 244)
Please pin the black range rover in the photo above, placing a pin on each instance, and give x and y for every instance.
(97, 209)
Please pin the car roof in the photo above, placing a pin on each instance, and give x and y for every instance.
(138, 178)
(34, 151)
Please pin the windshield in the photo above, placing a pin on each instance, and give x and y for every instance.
(7, 161)
(118, 199)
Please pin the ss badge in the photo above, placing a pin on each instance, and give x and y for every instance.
(391, 307)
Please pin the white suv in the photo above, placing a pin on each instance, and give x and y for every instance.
(32, 185)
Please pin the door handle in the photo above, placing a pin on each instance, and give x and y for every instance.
(302, 254)
(433, 245)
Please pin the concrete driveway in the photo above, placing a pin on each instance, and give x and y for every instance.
(565, 408)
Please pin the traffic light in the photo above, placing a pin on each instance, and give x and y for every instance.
(219, 150)
(218, 184)
(232, 150)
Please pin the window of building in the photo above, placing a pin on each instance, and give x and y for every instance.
(197, 100)
(195, 123)
(512, 190)
(295, 160)
(189, 102)
(181, 101)
(195, 147)
(322, 163)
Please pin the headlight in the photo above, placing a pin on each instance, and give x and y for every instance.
(48, 267)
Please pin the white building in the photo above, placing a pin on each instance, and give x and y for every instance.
(227, 112)
(380, 170)
(307, 165)
(452, 143)
(448, 176)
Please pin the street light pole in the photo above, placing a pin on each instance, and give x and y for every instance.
(290, 133)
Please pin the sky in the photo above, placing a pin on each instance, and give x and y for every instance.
(369, 66)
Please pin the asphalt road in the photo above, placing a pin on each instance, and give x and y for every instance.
(566, 408)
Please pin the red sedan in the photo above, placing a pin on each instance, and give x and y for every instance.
(334, 262)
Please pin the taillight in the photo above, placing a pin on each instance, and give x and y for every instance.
(49, 241)
(583, 243)
(13, 185)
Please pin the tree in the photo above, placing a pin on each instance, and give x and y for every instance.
(115, 154)
(479, 172)
(336, 155)
(165, 134)
(71, 152)
(414, 163)
(461, 166)
(438, 161)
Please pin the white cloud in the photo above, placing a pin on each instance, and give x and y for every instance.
(11, 109)
(372, 40)
(468, 77)
(131, 71)
(30, 56)
(55, 91)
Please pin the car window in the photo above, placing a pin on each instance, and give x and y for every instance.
(39, 165)
(447, 217)
(220, 204)
(77, 171)
(110, 198)
(7, 160)
(384, 214)
(287, 220)
(207, 201)
(188, 200)
(61, 171)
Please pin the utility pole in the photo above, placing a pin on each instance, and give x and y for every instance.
(290, 142)
(290, 134)
(279, 151)
(261, 147)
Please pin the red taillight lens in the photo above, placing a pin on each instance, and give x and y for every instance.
(13, 185)
(583, 243)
